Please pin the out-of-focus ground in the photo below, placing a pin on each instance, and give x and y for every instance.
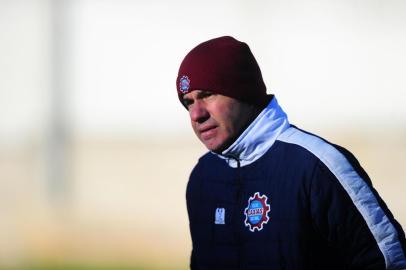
(124, 202)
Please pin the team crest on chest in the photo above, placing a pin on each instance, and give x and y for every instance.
(256, 213)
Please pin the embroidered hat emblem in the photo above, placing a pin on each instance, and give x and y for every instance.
(256, 213)
(184, 84)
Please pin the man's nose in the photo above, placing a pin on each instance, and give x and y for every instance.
(198, 112)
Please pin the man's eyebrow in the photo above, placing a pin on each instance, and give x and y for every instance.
(200, 94)
(203, 93)
(186, 98)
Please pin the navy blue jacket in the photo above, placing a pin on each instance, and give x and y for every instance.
(291, 201)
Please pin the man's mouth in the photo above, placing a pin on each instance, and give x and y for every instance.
(207, 133)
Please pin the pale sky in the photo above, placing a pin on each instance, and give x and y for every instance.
(330, 63)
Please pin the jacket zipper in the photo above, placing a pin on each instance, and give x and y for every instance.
(238, 197)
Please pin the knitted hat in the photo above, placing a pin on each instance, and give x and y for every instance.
(224, 66)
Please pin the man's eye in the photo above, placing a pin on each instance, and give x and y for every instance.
(187, 102)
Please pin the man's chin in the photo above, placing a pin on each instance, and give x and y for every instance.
(215, 146)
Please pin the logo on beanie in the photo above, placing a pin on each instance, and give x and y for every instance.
(256, 213)
(184, 84)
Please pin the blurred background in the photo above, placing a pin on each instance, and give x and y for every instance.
(95, 149)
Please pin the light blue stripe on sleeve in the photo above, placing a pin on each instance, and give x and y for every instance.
(360, 193)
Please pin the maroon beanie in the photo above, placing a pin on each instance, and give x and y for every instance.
(224, 66)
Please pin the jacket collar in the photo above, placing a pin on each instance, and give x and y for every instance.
(259, 136)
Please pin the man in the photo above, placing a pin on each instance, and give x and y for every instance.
(269, 195)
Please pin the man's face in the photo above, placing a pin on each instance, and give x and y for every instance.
(217, 120)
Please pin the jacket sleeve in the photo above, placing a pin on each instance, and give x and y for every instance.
(192, 200)
(351, 217)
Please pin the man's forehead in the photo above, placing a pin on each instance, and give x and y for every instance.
(194, 93)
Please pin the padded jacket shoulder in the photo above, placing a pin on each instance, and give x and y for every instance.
(323, 211)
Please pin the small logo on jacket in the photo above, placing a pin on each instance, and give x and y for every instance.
(220, 216)
(184, 84)
(256, 213)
